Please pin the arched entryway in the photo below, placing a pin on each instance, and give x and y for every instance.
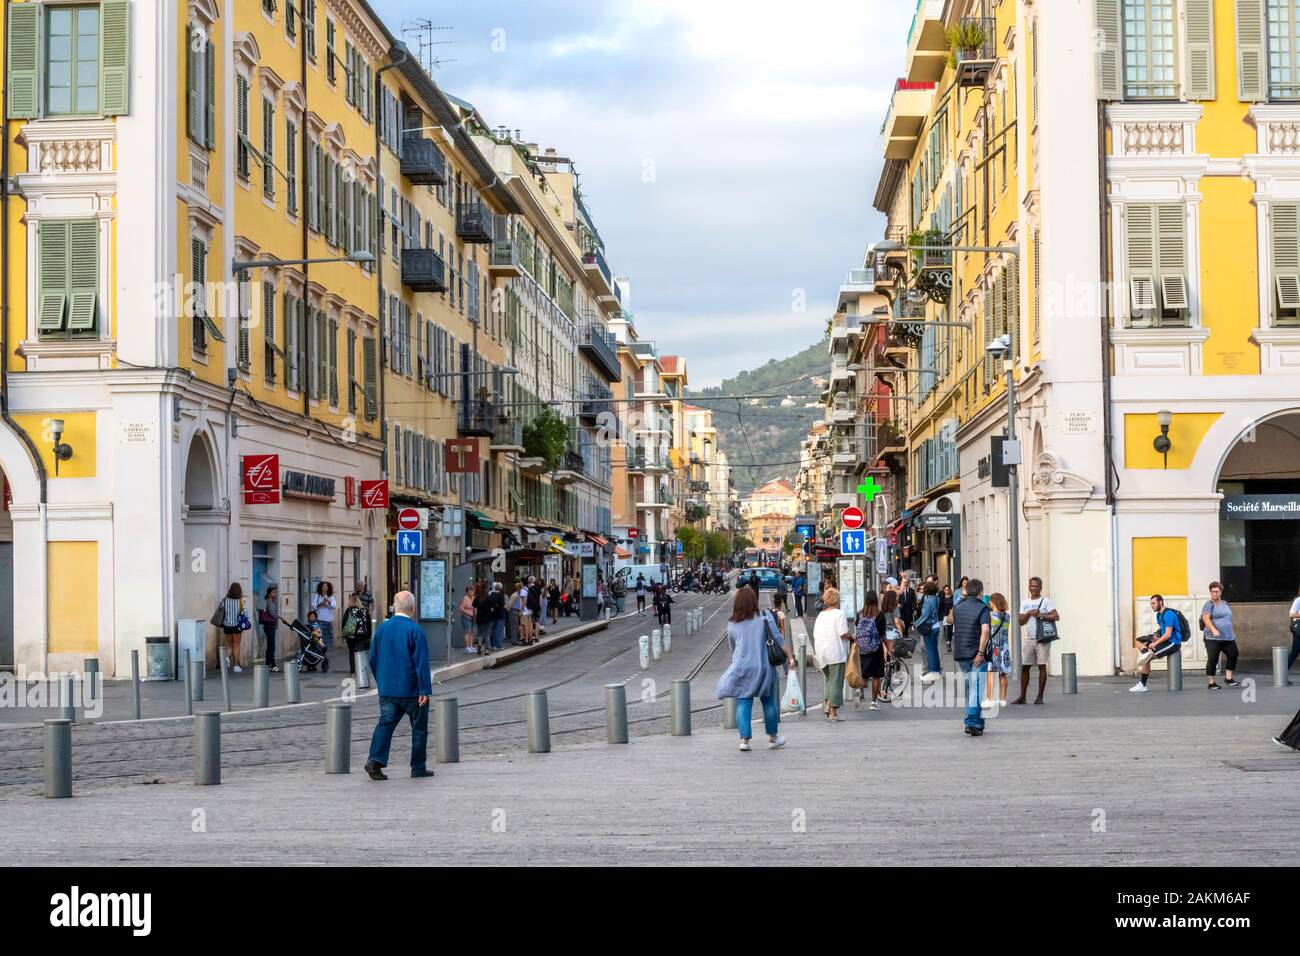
(203, 519)
(1259, 516)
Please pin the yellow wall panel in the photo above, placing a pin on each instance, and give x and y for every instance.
(78, 431)
(1186, 433)
(1159, 566)
(73, 572)
(1225, 129)
(1229, 276)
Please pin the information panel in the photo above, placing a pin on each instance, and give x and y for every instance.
(433, 590)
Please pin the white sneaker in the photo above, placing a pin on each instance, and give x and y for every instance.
(469, 650)
(777, 743)
(929, 677)
(986, 703)
(1138, 688)
(875, 705)
(744, 745)
(238, 669)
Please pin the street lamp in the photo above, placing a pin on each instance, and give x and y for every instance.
(1001, 349)
(62, 450)
(1162, 442)
(241, 265)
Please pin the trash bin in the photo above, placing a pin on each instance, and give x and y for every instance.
(158, 658)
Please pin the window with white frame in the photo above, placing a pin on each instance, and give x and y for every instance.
(1150, 59)
(1156, 245)
(1283, 20)
(1285, 232)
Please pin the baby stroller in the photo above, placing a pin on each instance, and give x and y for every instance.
(311, 653)
(905, 645)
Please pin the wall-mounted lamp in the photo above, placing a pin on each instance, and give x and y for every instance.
(1162, 443)
(62, 452)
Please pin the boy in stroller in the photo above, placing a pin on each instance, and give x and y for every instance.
(311, 653)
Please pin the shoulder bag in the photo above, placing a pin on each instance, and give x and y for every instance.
(1047, 630)
(775, 655)
(218, 618)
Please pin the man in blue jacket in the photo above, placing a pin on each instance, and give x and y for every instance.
(399, 659)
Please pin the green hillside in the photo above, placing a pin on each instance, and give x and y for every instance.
(762, 439)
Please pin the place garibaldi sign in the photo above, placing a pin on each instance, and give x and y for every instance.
(1260, 508)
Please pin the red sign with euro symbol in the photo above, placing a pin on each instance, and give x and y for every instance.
(261, 482)
(374, 494)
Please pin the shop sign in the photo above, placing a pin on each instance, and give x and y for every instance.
(1260, 508)
(261, 479)
(350, 491)
(374, 494)
(934, 522)
(460, 456)
(299, 484)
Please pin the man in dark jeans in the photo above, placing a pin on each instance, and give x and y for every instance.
(907, 603)
(799, 588)
(970, 640)
(399, 659)
(497, 615)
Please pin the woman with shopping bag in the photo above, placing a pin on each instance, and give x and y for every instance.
(757, 649)
(831, 642)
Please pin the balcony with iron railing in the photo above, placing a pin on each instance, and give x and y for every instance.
(505, 260)
(598, 271)
(422, 162)
(475, 222)
(598, 345)
(508, 435)
(423, 271)
(976, 49)
(478, 418)
(570, 468)
(655, 499)
(596, 400)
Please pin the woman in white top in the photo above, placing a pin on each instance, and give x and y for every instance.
(1295, 634)
(323, 602)
(831, 644)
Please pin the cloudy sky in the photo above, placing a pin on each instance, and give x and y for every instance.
(729, 149)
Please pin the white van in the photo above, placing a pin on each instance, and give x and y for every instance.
(651, 573)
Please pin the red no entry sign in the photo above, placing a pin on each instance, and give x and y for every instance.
(853, 518)
(408, 519)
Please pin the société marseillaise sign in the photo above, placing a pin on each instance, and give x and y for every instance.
(1260, 508)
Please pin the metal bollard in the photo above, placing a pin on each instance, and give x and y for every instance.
(1175, 670)
(1280, 669)
(196, 680)
(261, 685)
(189, 690)
(135, 685)
(1069, 673)
(292, 692)
(803, 675)
(656, 644)
(446, 730)
(668, 638)
(361, 664)
(68, 698)
(338, 738)
(225, 679)
(58, 759)
(207, 748)
(643, 643)
(539, 723)
(681, 708)
(615, 713)
(90, 672)
(729, 714)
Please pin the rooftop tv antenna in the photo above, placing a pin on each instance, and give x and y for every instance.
(422, 32)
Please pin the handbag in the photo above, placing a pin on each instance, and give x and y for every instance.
(1047, 630)
(1295, 627)
(244, 623)
(853, 671)
(218, 618)
(775, 655)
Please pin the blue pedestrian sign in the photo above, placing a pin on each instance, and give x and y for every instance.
(410, 544)
(853, 542)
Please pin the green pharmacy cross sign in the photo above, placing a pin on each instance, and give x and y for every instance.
(869, 489)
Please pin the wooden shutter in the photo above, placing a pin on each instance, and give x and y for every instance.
(23, 59)
(291, 166)
(1013, 304)
(987, 322)
(114, 56)
(210, 88)
(1286, 254)
(370, 370)
(1252, 63)
(329, 50)
(1033, 76)
(241, 125)
(313, 186)
(311, 376)
(1140, 243)
(1171, 257)
(245, 350)
(268, 148)
(83, 275)
(1038, 275)
(193, 87)
(1110, 54)
(1199, 39)
(52, 269)
(322, 356)
(334, 361)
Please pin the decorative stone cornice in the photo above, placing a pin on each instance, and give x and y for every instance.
(247, 53)
(1058, 488)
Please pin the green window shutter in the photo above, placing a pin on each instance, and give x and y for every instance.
(241, 125)
(22, 56)
(1110, 53)
(268, 312)
(83, 275)
(1286, 254)
(1199, 37)
(1252, 62)
(268, 148)
(313, 187)
(1013, 304)
(331, 198)
(1140, 241)
(322, 356)
(329, 50)
(1171, 260)
(245, 357)
(210, 107)
(114, 57)
(193, 86)
(988, 323)
(52, 272)
(334, 361)
(370, 370)
(291, 166)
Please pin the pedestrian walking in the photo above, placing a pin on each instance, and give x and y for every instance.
(1220, 638)
(663, 606)
(970, 638)
(799, 588)
(525, 613)
(999, 649)
(269, 618)
(893, 623)
(1168, 637)
(482, 619)
(1035, 639)
(533, 605)
(514, 608)
(927, 625)
(553, 601)
(1295, 634)
(945, 615)
(467, 612)
(356, 629)
(640, 593)
(870, 638)
(831, 645)
(753, 582)
(907, 602)
(231, 616)
(497, 615)
(324, 604)
(752, 671)
(399, 659)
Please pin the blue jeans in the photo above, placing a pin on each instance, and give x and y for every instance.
(974, 686)
(771, 714)
(498, 635)
(931, 636)
(326, 634)
(391, 712)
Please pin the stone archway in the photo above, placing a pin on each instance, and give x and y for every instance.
(23, 624)
(203, 520)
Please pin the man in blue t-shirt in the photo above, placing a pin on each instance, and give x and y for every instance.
(1168, 638)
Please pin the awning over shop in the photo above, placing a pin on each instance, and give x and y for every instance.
(620, 553)
(597, 540)
(481, 520)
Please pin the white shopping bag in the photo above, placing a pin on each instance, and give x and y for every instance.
(793, 697)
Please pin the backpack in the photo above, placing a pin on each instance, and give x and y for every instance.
(1183, 626)
(868, 636)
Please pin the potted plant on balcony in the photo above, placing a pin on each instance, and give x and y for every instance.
(965, 42)
(547, 437)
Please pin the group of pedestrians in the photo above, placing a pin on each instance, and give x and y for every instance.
(233, 619)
